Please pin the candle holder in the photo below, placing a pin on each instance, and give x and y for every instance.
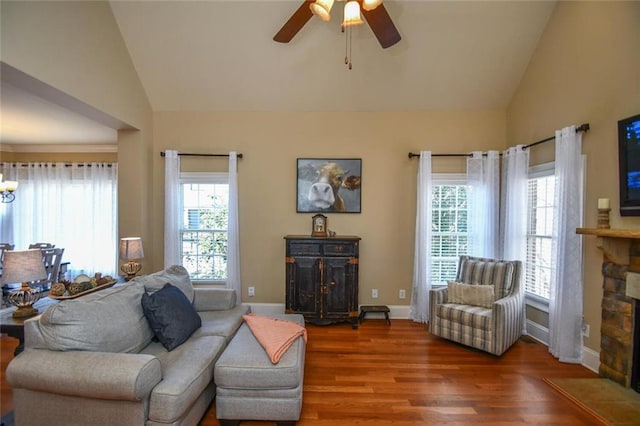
(603, 218)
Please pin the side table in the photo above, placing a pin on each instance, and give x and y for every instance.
(377, 308)
(14, 327)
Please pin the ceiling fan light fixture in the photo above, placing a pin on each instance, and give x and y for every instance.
(322, 9)
(352, 14)
(370, 4)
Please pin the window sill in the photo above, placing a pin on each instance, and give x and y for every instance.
(537, 302)
(209, 283)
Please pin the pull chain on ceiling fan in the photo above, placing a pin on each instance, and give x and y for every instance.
(351, 19)
(373, 10)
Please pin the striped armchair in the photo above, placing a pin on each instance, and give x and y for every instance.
(489, 319)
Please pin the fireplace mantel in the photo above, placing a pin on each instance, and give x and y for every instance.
(610, 233)
(614, 243)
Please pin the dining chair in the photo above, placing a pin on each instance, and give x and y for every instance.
(4, 247)
(41, 246)
(52, 258)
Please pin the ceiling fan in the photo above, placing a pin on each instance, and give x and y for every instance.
(377, 17)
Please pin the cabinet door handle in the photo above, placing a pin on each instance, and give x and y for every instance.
(332, 283)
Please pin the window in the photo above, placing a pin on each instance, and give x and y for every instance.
(203, 231)
(74, 206)
(450, 235)
(540, 210)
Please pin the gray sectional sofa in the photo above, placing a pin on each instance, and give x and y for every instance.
(94, 360)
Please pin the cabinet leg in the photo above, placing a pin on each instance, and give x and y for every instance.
(354, 324)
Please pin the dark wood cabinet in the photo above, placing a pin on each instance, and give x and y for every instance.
(322, 278)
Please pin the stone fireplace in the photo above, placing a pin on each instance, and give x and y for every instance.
(620, 330)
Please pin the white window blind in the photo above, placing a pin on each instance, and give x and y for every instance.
(450, 230)
(540, 209)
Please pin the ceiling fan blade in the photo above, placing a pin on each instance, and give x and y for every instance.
(382, 26)
(295, 23)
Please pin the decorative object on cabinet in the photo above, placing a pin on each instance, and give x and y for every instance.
(319, 226)
(328, 185)
(322, 278)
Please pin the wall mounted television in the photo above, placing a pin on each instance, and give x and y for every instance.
(629, 165)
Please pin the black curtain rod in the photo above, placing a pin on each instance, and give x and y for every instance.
(582, 128)
(186, 154)
(54, 165)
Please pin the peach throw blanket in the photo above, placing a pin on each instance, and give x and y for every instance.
(274, 334)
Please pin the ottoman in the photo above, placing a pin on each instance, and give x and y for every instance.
(250, 387)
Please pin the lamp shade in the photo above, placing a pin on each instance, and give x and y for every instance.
(322, 9)
(370, 4)
(131, 248)
(22, 266)
(352, 14)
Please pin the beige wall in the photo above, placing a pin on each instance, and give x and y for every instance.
(586, 68)
(271, 142)
(77, 48)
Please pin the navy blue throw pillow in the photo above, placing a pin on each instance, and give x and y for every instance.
(170, 315)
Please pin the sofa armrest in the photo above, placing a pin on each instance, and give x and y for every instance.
(438, 295)
(214, 299)
(116, 376)
(509, 307)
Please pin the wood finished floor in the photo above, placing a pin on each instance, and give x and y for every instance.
(401, 375)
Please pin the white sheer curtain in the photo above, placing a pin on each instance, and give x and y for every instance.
(513, 223)
(419, 309)
(483, 179)
(565, 302)
(171, 208)
(73, 206)
(233, 230)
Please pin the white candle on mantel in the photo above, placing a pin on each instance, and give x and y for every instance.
(603, 203)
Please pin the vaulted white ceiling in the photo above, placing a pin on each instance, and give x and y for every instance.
(218, 55)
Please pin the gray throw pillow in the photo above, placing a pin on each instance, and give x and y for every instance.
(109, 320)
(176, 275)
(171, 316)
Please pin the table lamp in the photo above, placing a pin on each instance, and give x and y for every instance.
(130, 250)
(23, 266)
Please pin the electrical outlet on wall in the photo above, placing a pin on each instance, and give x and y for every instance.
(251, 291)
(402, 294)
(586, 329)
(374, 293)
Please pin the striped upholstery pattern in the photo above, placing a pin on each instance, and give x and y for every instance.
(499, 274)
(493, 329)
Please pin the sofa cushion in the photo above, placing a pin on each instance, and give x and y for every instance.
(176, 275)
(171, 316)
(470, 294)
(222, 323)
(467, 315)
(109, 320)
(245, 365)
(499, 274)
